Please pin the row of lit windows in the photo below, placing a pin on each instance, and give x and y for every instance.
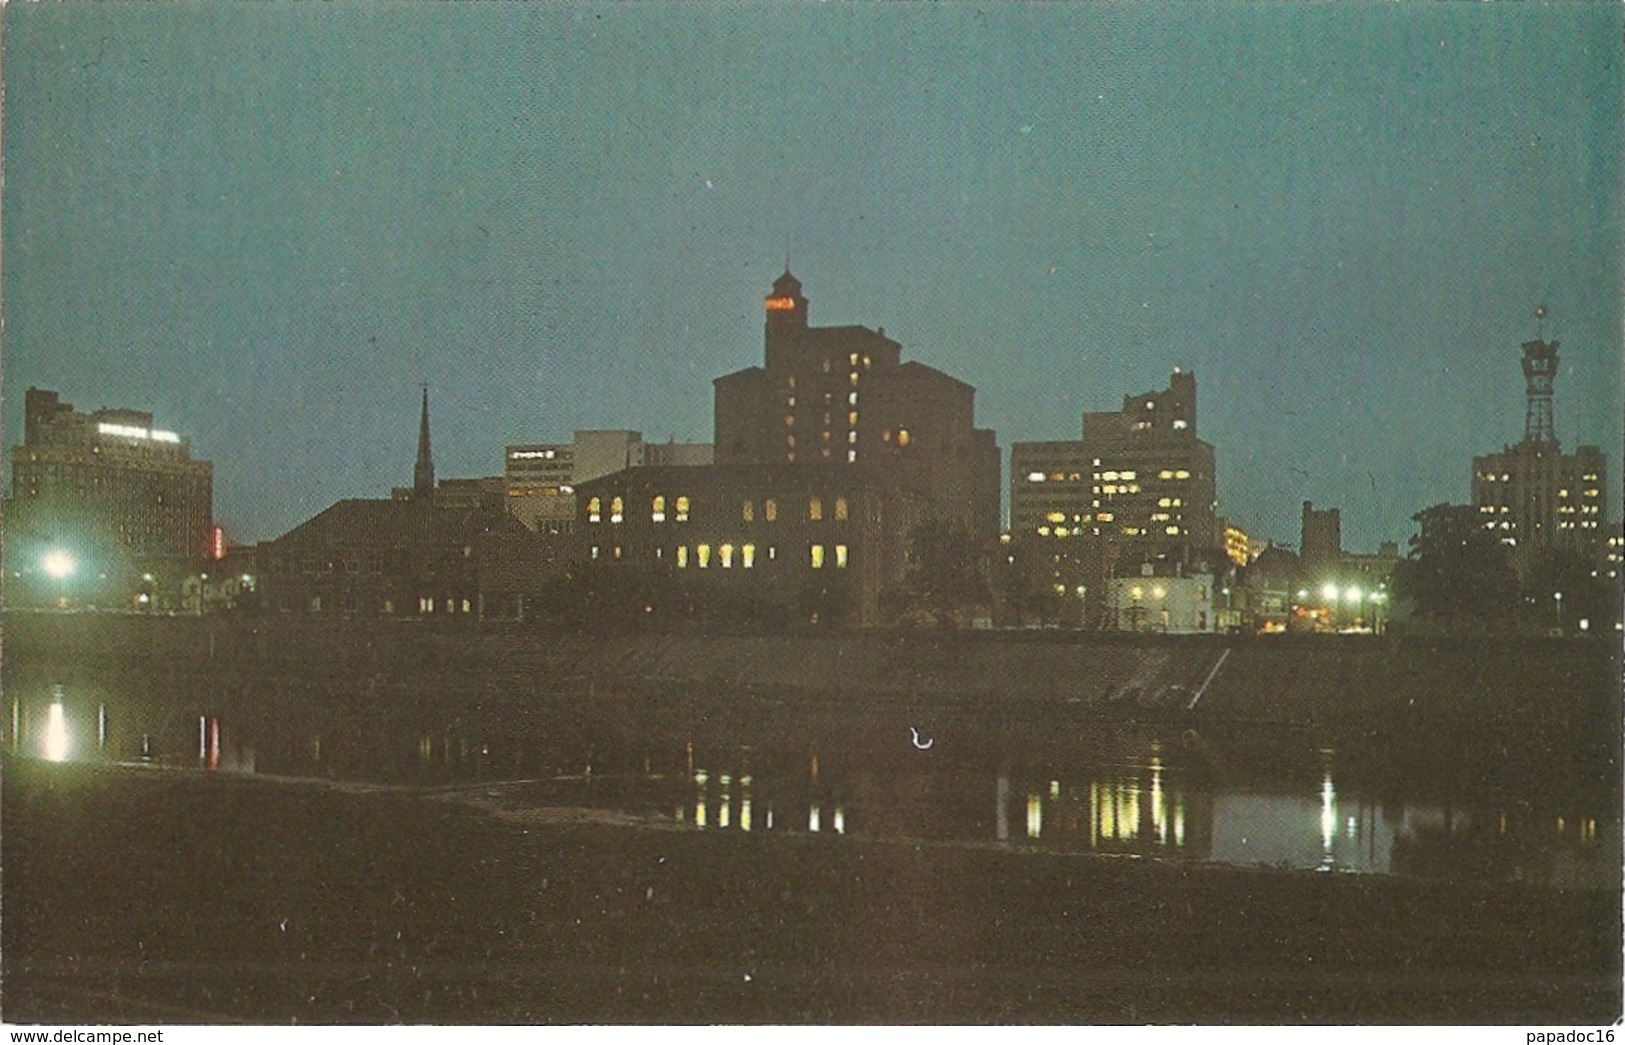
(1127, 531)
(681, 506)
(726, 556)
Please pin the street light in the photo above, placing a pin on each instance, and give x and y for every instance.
(1557, 600)
(58, 564)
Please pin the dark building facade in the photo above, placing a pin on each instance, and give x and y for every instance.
(106, 491)
(445, 552)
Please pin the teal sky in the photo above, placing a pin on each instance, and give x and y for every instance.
(269, 224)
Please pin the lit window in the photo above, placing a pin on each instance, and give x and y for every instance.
(1036, 477)
(790, 441)
(1165, 474)
(682, 557)
(852, 399)
(854, 359)
(772, 553)
(1179, 422)
(594, 555)
(748, 511)
(1109, 476)
(747, 556)
(851, 456)
(595, 510)
(682, 509)
(1173, 530)
(1043, 531)
(657, 510)
(815, 509)
(852, 418)
(840, 556)
(704, 552)
(616, 509)
(902, 437)
(770, 509)
(1055, 517)
(818, 556)
(854, 379)
(726, 554)
(789, 420)
(1129, 475)
(1182, 474)
(840, 508)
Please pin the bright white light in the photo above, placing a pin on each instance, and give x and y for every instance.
(159, 436)
(128, 431)
(1328, 591)
(55, 747)
(58, 563)
(1352, 594)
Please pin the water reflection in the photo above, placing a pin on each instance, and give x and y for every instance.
(1280, 801)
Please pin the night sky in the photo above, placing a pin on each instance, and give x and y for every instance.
(269, 224)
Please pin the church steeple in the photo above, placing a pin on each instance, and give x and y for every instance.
(423, 471)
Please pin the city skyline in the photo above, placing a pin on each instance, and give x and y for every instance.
(566, 218)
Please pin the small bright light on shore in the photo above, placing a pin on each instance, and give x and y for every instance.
(55, 747)
(1328, 592)
(58, 563)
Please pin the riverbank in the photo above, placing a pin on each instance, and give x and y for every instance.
(152, 896)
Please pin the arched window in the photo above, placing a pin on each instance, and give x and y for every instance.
(682, 509)
(616, 509)
(595, 510)
(657, 510)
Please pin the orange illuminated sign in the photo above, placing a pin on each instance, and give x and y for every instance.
(781, 304)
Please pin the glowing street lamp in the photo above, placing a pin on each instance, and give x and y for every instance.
(58, 564)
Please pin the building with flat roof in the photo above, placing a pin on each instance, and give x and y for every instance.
(1138, 487)
(843, 396)
(1532, 496)
(541, 477)
(118, 504)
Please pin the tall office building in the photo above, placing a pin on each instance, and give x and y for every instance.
(110, 496)
(842, 395)
(1137, 488)
(1534, 497)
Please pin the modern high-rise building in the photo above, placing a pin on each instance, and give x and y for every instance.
(1137, 488)
(117, 504)
(1534, 497)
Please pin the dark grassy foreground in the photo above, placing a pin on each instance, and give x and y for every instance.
(134, 896)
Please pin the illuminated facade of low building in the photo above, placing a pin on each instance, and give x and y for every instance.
(109, 495)
(1175, 605)
(805, 540)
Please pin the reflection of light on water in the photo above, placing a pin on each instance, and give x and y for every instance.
(1159, 819)
(744, 814)
(1328, 820)
(814, 815)
(724, 812)
(840, 820)
(1035, 816)
(1179, 822)
(699, 812)
(55, 747)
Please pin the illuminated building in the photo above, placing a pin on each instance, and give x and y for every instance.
(120, 496)
(1176, 604)
(1531, 495)
(841, 396)
(751, 540)
(1138, 487)
(541, 477)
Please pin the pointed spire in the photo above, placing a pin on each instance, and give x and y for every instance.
(423, 471)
